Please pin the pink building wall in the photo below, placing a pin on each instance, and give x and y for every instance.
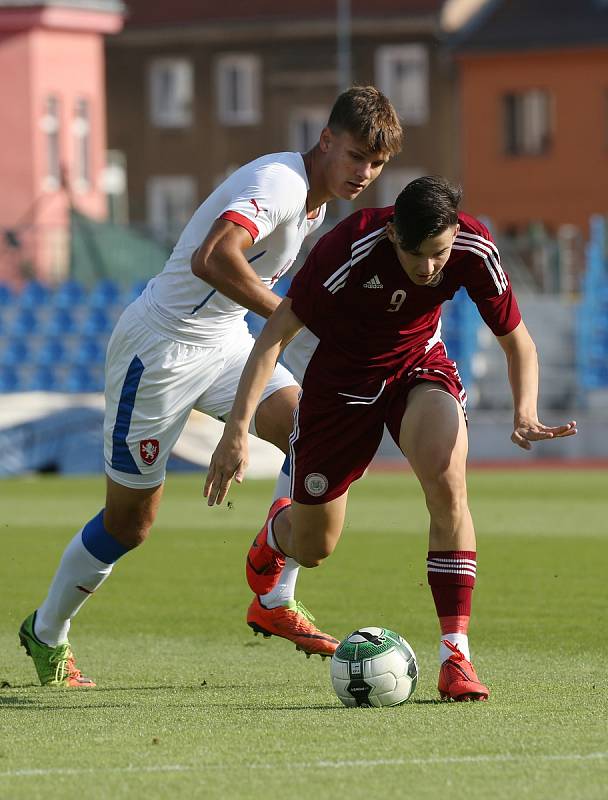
(44, 52)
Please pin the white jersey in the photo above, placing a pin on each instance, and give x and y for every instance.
(268, 198)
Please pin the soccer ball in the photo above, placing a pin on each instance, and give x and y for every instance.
(374, 667)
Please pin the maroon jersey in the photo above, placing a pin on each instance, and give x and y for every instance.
(373, 322)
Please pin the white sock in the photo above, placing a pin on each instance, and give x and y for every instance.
(286, 585)
(285, 588)
(282, 487)
(461, 640)
(78, 575)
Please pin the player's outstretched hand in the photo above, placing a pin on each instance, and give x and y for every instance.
(229, 460)
(528, 431)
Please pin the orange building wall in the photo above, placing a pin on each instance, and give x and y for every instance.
(569, 183)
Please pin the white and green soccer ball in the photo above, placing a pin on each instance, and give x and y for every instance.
(374, 667)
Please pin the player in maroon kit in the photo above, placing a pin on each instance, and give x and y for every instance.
(371, 290)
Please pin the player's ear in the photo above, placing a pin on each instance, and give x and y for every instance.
(456, 231)
(390, 232)
(325, 139)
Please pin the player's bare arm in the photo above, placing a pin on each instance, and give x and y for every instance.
(522, 366)
(230, 457)
(221, 262)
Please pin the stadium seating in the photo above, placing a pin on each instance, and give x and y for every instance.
(592, 313)
(34, 295)
(104, 294)
(68, 295)
(9, 380)
(6, 296)
(56, 339)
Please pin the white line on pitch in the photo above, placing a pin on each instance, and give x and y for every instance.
(396, 762)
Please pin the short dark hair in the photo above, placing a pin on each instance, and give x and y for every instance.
(369, 116)
(426, 207)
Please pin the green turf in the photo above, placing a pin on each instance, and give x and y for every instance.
(191, 705)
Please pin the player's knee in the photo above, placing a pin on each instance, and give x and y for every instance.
(313, 556)
(445, 491)
(131, 527)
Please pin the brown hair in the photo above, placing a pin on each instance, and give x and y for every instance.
(369, 116)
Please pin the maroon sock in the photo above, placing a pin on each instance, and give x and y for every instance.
(451, 576)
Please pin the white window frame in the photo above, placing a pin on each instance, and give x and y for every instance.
(392, 181)
(528, 122)
(305, 125)
(50, 125)
(81, 131)
(238, 89)
(402, 73)
(171, 200)
(171, 92)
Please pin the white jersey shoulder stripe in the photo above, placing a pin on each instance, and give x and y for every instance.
(495, 278)
(495, 270)
(480, 239)
(362, 242)
(336, 281)
(488, 247)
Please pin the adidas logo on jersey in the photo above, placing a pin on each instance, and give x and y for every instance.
(373, 283)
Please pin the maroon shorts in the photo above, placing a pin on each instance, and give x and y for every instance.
(336, 436)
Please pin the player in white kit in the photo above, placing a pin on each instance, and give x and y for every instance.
(182, 346)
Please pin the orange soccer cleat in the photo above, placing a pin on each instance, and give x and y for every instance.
(264, 564)
(458, 679)
(293, 622)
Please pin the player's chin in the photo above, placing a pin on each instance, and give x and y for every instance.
(351, 192)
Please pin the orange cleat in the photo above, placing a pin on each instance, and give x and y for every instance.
(458, 679)
(293, 622)
(264, 563)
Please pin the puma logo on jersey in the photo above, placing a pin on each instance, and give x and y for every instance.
(373, 283)
(257, 207)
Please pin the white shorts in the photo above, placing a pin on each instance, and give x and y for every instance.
(152, 383)
(299, 351)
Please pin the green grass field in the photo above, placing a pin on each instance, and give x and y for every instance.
(190, 704)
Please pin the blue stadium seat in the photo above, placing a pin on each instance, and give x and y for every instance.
(39, 379)
(69, 294)
(60, 321)
(6, 296)
(14, 352)
(105, 293)
(33, 295)
(24, 322)
(9, 380)
(81, 379)
(50, 351)
(90, 351)
(97, 321)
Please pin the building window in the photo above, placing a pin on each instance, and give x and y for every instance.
(392, 181)
(403, 75)
(114, 183)
(305, 126)
(50, 126)
(171, 201)
(527, 123)
(238, 89)
(81, 128)
(171, 91)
